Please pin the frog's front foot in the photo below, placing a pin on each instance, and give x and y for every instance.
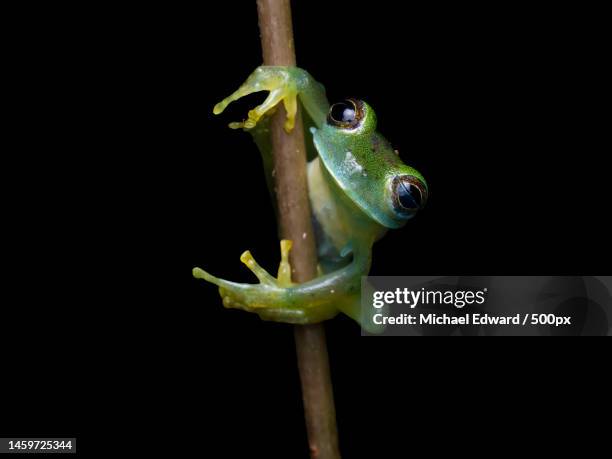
(281, 85)
(271, 299)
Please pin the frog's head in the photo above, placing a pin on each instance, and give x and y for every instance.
(366, 168)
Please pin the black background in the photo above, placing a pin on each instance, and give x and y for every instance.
(122, 180)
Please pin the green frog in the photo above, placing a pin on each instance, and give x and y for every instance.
(358, 189)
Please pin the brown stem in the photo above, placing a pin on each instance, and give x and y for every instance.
(289, 154)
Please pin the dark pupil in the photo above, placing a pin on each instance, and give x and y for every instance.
(343, 112)
(409, 196)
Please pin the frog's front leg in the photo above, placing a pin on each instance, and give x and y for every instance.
(284, 84)
(280, 300)
(276, 299)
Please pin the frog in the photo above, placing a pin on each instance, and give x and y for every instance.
(358, 187)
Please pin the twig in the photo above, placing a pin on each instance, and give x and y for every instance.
(289, 154)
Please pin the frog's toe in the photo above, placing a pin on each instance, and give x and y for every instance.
(233, 300)
(242, 91)
(284, 268)
(248, 297)
(283, 278)
(290, 102)
(261, 274)
(199, 273)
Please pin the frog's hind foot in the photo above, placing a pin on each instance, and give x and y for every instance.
(281, 86)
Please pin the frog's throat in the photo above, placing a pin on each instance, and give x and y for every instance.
(343, 224)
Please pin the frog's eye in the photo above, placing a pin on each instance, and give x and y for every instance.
(409, 194)
(347, 114)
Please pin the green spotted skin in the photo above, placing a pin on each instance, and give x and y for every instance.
(358, 189)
